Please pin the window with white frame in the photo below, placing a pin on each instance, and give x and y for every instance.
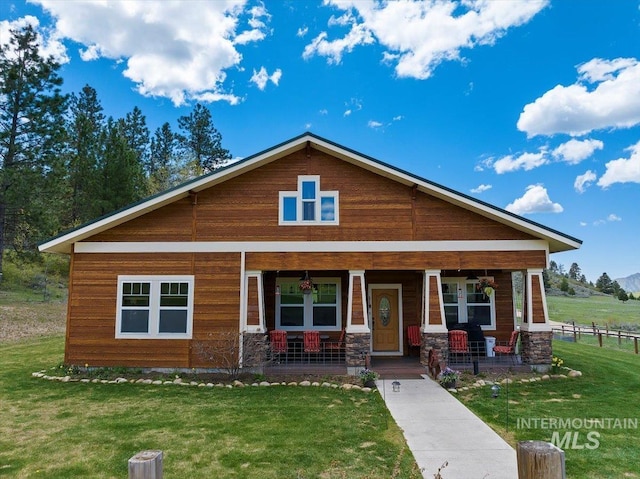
(309, 204)
(155, 307)
(320, 309)
(465, 303)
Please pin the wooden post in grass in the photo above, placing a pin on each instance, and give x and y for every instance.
(619, 338)
(146, 465)
(635, 343)
(600, 339)
(540, 460)
(575, 337)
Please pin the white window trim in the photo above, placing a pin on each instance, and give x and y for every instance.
(154, 307)
(308, 307)
(461, 283)
(319, 194)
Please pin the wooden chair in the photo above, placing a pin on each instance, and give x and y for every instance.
(458, 343)
(336, 348)
(311, 343)
(510, 348)
(414, 338)
(278, 339)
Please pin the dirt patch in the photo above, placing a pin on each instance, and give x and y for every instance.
(28, 320)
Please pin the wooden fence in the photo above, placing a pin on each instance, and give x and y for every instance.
(577, 331)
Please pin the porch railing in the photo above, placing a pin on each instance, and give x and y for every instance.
(330, 353)
(477, 351)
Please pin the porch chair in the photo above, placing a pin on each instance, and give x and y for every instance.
(311, 343)
(414, 337)
(278, 339)
(510, 348)
(459, 343)
(337, 348)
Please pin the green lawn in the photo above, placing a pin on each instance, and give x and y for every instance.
(61, 430)
(608, 389)
(601, 309)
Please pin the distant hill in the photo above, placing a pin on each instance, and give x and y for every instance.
(630, 283)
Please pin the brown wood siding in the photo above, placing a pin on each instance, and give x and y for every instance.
(435, 314)
(398, 260)
(253, 306)
(504, 306)
(536, 299)
(93, 297)
(371, 208)
(357, 308)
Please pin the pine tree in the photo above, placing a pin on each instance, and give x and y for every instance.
(574, 271)
(201, 142)
(161, 167)
(604, 284)
(31, 140)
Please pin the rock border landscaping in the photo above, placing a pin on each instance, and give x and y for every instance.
(201, 384)
(571, 373)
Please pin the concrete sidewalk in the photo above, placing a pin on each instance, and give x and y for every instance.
(439, 429)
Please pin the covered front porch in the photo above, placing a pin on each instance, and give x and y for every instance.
(362, 315)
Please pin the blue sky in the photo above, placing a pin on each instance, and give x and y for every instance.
(530, 106)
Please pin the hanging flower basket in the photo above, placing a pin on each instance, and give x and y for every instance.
(487, 286)
(306, 285)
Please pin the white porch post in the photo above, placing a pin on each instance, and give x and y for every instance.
(537, 314)
(252, 303)
(433, 318)
(357, 311)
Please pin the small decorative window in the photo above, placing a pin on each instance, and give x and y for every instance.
(308, 205)
(154, 307)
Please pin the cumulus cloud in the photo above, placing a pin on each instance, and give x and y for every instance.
(582, 182)
(178, 50)
(622, 170)
(606, 95)
(525, 161)
(574, 151)
(261, 77)
(49, 42)
(481, 188)
(535, 200)
(431, 32)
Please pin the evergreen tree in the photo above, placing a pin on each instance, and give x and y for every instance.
(85, 129)
(161, 167)
(564, 285)
(574, 271)
(122, 177)
(604, 284)
(545, 279)
(31, 139)
(623, 296)
(553, 266)
(201, 142)
(137, 134)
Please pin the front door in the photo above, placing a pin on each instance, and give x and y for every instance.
(385, 308)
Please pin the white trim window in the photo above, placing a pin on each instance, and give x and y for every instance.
(308, 205)
(155, 307)
(319, 310)
(465, 303)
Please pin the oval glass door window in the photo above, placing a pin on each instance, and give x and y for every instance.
(384, 310)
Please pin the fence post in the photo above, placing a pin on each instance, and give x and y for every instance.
(600, 339)
(593, 325)
(146, 465)
(539, 460)
(619, 338)
(635, 343)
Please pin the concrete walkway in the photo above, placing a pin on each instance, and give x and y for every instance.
(439, 429)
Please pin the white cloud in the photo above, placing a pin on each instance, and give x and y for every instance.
(613, 217)
(612, 101)
(374, 124)
(302, 31)
(261, 77)
(582, 182)
(574, 151)
(622, 170)
(430, 32)
(525, 161)
(49, 42)
(398, 118)
(347, 113)
(481, 188)
(324, 111)
(535, 200)
(178, 50)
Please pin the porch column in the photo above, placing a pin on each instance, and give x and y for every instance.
(253, 337)
(434, 324)
(535, 331)
(358, 333)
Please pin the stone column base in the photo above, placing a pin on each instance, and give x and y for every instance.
(437, 341)
(357, 348)
(536, 349)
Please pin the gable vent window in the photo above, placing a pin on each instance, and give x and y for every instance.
(309, 205)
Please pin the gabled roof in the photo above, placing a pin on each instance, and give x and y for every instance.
(557, 241)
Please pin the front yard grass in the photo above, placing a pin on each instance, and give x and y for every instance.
(61, 430)
(608, 389)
